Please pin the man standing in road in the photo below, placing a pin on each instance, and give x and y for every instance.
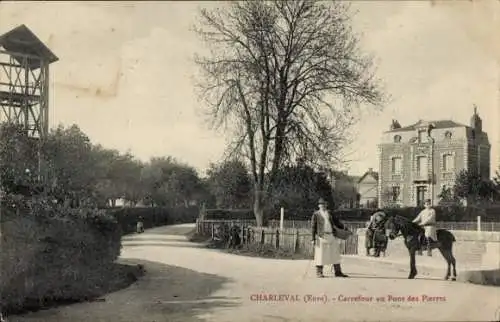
(326, 245)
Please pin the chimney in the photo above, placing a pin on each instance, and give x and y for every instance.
(370, 169)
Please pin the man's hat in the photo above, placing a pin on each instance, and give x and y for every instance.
(321, 201)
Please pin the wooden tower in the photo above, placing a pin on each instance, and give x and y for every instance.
(24, 86)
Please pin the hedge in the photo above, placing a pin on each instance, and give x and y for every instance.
(362, 214)
(48, 252)
(153, 216)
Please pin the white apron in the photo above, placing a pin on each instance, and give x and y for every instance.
(327, 249)
(428, 216)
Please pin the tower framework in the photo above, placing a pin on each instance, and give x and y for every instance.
(24, 85)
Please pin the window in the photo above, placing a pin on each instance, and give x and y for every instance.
(396, 193)
(448, 163)
(447, 135)
(421, 195)
(422, 170)
(397, 138)
(422, 135)
(397, 165)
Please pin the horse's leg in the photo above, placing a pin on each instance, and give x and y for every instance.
(453, 262)
(446, 254)
(413, 268)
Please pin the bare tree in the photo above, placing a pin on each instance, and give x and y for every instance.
(286, 78)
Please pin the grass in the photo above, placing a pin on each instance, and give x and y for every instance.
(250, 250)
(118, 276)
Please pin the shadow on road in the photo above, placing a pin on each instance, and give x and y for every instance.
(154, 238)
(177, 230)
(394, 277)
(164, 293)
(164, 244)
(98, 282)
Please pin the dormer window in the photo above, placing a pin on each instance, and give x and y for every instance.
(397, 138)
(422, 136)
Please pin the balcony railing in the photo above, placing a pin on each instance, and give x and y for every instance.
(422, 177)
(449, 175)
(397, 176)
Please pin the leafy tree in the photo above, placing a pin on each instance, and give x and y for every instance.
(496, 181)
(105, 188)
(285, 77)
(447, 197)
(71, 163)
(345, 190)
(230, 184)
(300, 186)
(204, 194)
(472, 188)
(18, 157)
(168, 182)
(118, 175)
(80, 171)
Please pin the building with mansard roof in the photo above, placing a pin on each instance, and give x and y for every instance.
(417, 161)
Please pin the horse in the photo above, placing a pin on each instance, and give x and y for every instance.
(414, 236)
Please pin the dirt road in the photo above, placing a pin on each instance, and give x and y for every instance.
(207, 285)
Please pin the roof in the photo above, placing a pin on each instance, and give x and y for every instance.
(372, 173)
(355, 178)
(440, 124)
(22, 40)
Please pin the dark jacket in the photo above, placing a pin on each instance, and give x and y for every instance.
(318, 224)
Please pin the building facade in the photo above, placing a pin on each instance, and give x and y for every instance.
(368, 189)
(416, 162)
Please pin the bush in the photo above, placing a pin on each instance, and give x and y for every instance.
(444, 213)
(222, 214)
(153, 216)
(47, 252)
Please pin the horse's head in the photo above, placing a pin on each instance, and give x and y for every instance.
(392, 226)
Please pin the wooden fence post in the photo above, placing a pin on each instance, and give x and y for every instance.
(249, 235)
(282, 218)
(296, 241)
(277, 238)
(262, 237)
(213, 231)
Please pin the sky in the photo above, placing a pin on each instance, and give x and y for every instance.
(125, 71)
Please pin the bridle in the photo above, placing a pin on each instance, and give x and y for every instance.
(394, 236)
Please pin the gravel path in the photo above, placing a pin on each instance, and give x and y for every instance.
(186, 282)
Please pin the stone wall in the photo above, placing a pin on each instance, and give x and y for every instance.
(472, 250)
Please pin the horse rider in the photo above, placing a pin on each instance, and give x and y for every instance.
(326, 245)
(427, 219)
(375, 231)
